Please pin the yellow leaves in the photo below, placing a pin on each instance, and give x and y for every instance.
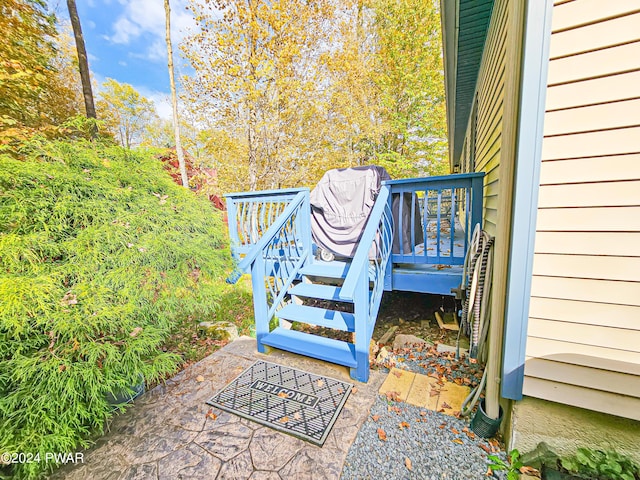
(382, 435)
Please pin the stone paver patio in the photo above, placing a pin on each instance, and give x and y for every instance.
(167, 434)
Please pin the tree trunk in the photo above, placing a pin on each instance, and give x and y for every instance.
(251, 107)
(83, 64)
(174, 99)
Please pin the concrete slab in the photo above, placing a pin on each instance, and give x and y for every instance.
(170, 432)
(424, 391)
(398, 382)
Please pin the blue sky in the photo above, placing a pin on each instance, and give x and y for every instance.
(125, 40)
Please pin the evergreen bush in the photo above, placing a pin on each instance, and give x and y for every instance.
(100, 254)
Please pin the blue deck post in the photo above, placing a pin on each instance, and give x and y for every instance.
(260, 306)
(305, 226)
(476, 201)
(233, 227)
(361, 313)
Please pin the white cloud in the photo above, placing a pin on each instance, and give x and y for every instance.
(144, 19)
(162, 101)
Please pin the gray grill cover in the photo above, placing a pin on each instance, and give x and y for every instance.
(341, 204)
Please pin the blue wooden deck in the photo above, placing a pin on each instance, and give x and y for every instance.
(271, 237)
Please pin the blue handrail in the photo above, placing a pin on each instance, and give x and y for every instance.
(361, 257)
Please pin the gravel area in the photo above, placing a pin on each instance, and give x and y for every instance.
(400, 441)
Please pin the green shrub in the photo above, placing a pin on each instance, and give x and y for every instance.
(598, 464)
(100, 254)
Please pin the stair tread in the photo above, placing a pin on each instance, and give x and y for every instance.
(333, 269)
(318, 316)
(314, 290)
(334, 351)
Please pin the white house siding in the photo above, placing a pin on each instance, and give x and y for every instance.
(583, 346)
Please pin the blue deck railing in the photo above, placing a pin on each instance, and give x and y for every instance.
(442, 212)
(252, 213)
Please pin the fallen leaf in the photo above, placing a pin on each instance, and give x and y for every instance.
(404, 425)
(489, 472)
(456, 432)
(446, 405)
(354, 390)
(396, 409)
(211, 415)
(393, 396)
(423, 414)
(530, 471)
(375, 418)
(407, 463)
(284, 420)
(397, 373)
(62, 368)
(282, 395)
(297, 416)
(320, 383)
(442, 426)
(434, 392)
(382, 435)
(340, 390)
(458, 441)
(69, 299)
(135, 331)
(484, 447)
(199, 378)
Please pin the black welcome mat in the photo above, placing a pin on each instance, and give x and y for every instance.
(285, 399)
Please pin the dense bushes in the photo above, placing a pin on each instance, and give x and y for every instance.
(100, 253)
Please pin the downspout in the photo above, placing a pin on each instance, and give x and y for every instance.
(525, 196)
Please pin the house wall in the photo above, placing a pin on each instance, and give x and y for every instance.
(583, 345)
(584, 326)
(481, 152)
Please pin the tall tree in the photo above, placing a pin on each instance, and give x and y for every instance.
(125, 112)
(174, 97)
(83, 63)
(26, 52)
(256, 77)
(408, 74)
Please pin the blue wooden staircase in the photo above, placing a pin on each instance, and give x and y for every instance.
(271, 238)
